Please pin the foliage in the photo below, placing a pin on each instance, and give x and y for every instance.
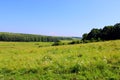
(107, 33)
(27, 61)
(57, 43)
(15, 37)
(67, 42)
(76, 42)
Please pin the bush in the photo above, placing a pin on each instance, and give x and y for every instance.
(76, 42)
(57, 43)
(86, 41)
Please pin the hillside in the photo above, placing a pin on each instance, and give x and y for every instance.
(30, 61)
(20, 37)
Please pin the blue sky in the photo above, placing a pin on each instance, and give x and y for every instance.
(57, 17)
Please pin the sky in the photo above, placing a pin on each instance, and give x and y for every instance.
(57, 17)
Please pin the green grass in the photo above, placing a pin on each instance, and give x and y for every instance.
(41, 61)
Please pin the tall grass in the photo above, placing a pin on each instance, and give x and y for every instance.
(41, 61)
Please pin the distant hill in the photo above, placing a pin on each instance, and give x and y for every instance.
(20, 37)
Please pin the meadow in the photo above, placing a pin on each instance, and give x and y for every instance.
(41, 61)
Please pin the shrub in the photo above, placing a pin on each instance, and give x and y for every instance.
(76, 42)
(57, 43)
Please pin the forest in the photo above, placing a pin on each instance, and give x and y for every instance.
(20, 37)
(107, 33)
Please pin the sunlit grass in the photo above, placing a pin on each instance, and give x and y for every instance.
(36, 60)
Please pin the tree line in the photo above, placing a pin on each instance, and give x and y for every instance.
(107, 33)
(19, 37)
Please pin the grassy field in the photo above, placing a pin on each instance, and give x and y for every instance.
(41, 61)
